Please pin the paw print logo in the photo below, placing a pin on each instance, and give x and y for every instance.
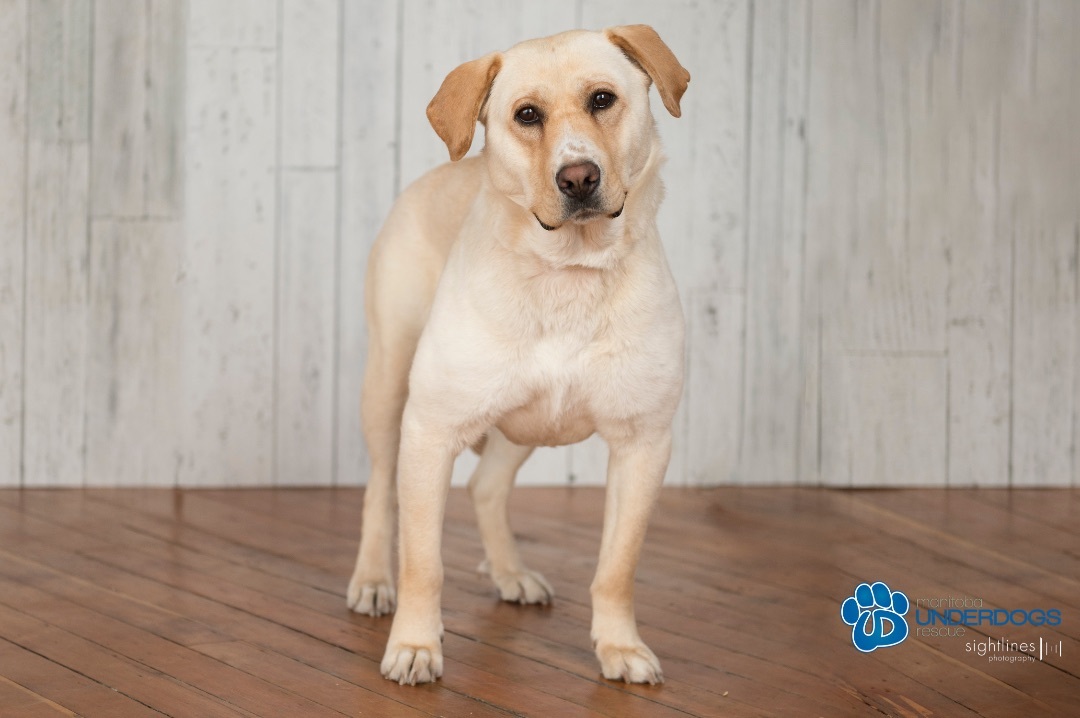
(876, 615)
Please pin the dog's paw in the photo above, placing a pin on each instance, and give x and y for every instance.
(522, 586)
(371, 597)
(634, 663)
(412, 664)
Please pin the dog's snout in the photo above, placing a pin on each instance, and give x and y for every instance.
(578, 181)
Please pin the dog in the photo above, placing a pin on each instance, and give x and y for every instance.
(516, 299)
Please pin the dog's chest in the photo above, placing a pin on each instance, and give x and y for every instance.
(555, 398)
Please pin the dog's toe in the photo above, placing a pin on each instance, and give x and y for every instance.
(633, 664)
(412, 664)
(524, 586)
(371, 598)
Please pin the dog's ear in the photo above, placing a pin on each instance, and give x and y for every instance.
(454, 110)
(642, 45)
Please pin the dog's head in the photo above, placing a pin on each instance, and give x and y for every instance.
(567, 118)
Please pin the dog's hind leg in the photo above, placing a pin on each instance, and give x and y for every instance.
(402, 274)
(371, 589)
(490, 487)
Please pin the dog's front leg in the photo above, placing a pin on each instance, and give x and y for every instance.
(414, 650)
(635, 472)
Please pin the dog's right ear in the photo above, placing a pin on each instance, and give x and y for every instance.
(454, 110)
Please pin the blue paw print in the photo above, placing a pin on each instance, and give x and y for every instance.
(868, 612)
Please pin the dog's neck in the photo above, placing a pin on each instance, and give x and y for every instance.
(565, 280)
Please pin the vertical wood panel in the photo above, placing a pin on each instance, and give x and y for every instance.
(772, 383)
(138, 120)
(134, 315)
(817, 227)
(894, 283)
(897, 433)
(979, 332)
(369, 114)
(1071, 192)
(711, 421)
(56, 285)
(309, 83)
(995, 55)
(307, 256)
(919, 64)
(13, 134)
(248, 24)
(891, 282)
(305, 330)
(832, 107)
(56, 251)
(989, 65)
(133, 353)
(228, 275)
(164, 130)
(119, 141)
(703, 225)
(59, 82)
(1039, 148)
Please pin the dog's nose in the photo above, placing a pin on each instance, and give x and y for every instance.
(578, 181)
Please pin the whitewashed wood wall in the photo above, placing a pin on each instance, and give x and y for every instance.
(873, 216)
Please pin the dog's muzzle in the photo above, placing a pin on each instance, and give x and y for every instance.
(579, 183)
(581, 214)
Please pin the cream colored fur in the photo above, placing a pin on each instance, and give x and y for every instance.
(485, 323)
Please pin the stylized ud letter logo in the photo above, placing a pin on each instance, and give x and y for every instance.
(869, 610)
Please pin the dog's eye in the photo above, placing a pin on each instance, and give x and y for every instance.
(602, 99)
(527, 115)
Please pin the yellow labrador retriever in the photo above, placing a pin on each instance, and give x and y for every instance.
(523, 296)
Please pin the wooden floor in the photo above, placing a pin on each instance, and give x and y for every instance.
(215, 603)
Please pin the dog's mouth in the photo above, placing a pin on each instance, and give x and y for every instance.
(583, 216)
(548, 227)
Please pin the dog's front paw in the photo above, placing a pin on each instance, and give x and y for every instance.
(634, 663)
(371, 596)
(412, 664)
(521, 586)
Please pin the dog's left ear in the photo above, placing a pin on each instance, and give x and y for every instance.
(642, 45)
(454, 110)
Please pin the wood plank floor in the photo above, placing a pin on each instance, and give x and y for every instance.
(225, 603)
